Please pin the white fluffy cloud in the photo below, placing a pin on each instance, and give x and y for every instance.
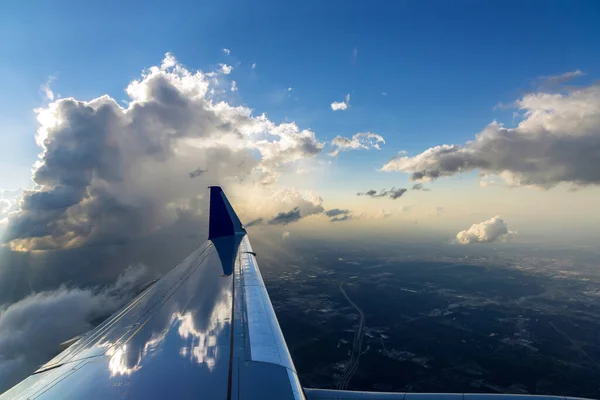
(485, 232)
(556, 142)
(227, 51)
(108, 174)
(341, 105)
(32, 329)
(226, 69)
(362, 140)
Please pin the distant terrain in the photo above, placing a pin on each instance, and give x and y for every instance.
(516, 320)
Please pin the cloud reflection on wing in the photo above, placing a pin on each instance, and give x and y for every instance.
(195, 343)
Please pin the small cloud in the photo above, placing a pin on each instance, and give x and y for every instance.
(285, 218)
(197, 172)
(384, 93)
(253, 65)
(556, 80)
(290, 89)
(340, 219)
(355, 53)
(337, 215)
(285, 235)
(301, 171)
(226, 51)
(341, 105)
(362, 140)
(234, 87)
(486, 232)
(335, 212)
(419, 186)
(226, 69)
(393, 193)
(45, 88)
(258, 221)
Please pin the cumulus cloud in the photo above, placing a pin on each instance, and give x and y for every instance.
(393, 193)
(485, 232)
(227, 51)
(253, 65)
(32, 329)
(226, 69)
(362, 140)
(338, 106)
(285, 235)
(234, 87)
(556, 142)
(341, 105)
(110, 174)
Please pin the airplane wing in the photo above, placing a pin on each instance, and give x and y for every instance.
(207, 329)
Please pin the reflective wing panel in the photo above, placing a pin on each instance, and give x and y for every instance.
(205, 330)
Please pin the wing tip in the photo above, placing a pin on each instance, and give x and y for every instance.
(223, 221)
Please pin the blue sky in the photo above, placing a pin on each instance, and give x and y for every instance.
(419, 73)
(444, 65)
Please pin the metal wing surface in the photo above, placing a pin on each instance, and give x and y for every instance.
(205, 330)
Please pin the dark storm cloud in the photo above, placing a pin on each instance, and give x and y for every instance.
(285, 218)
(393, 193)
